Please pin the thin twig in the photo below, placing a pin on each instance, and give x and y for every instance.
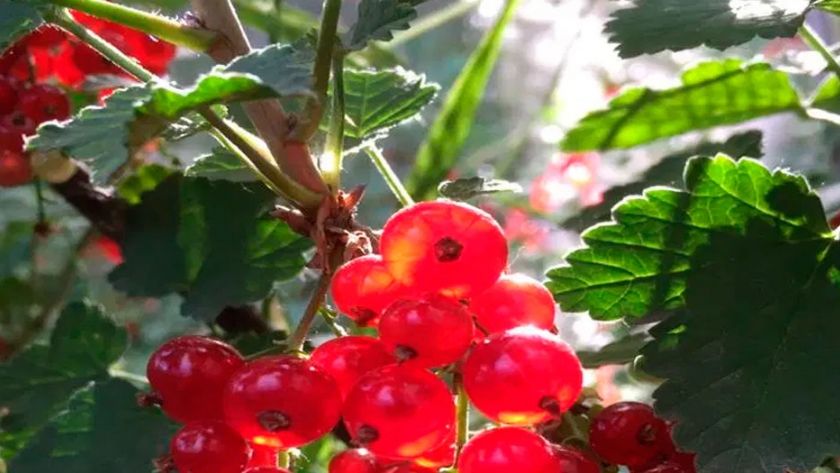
(298, 338)
(391, 178)
(817, 44)
(334, 149)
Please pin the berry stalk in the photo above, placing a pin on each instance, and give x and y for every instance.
(299, 336)
(462, 425)
(391, 178)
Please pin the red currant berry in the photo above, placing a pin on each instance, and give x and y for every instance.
(15, 167)
(209, 447)
(262, 456)
(439, 457)
(282, 401)
(347, 359)
(356, 460)
(667, 467)
(19, 124)
(46, 36)
(513, 301)
(444, 246)
(8, 94)
(399, 412)
(627, 433)
(189, 375)
(507, 449)
(524, 376)
(407, 467)
(44, 102)
(433, 331)
(574, 461)
(362, 288)
(266, 469)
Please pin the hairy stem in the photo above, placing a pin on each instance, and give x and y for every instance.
(298, 338)
(169, 30)
(817, 44)
(391, 178)
(331, 167)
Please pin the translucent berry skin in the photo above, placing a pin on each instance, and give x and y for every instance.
(347, 359)
(505, 450)
(282, 402)
(524, 376)
(266, 469)
(439, 457)
(44, 102)
(406, 467)
(627, 433)
(428, 332)
(446, 247)
(356, 460)
(513, 301)
(8, 94)
(189, 375)
(15, 167)
(399, 412)
(262, 455)
(362, 288)
(209, 447)
(574, 461)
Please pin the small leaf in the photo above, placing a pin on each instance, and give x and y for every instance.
(18, 18)
(378, 19)
(209, 241)
(650, 26)
(619, 352)
(711, 94)
(378, 100)
(439, 151)
(221, 164)
(467, 188)
(83, 345)
(102, 431)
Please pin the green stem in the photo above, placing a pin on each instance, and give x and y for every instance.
(433, 21)
(462, 425)
(334, 155)
(39, 196)
(169, 30)
(117, 373)
(284, 459)
(298, 338)
(391, 178)
(817, 44)
(326, 46)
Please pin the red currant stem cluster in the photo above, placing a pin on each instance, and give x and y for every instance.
(302, 330)
(391, 178)
(462, 420)
(334, 149)
(171, 31)
(817, 44)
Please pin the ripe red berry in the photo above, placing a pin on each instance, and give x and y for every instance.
(439, 457)
(524, 376)
(627, 433)
(362, 288)
(347, 359)
(189, 375)
(262, 456)
(266, 469)
(513, 301)
(282, 401)
(44, 102)
(209, 447)
(507, 449)
(399, 412)
(574, 461)
(444, 247)
(8, 94)
(406, 467)
(15, 167)
(426, 333)
(356, 460)
(19, 124)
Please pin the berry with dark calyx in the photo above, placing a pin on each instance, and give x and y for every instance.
(15, 166)
(524, 376)
(513, 301)
(282, 401)
(428, 332)
(209, 447)
(43, 102)
(19, 124)
(8, 94)
(399, 412)
(505, 450)
(574, 461)
(355, 460)
(347, 359)
(362, 288)
(444, 246)
(266, 469)
(627, 433)
(189, 375)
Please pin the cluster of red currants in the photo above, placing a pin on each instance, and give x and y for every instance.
(36, 71)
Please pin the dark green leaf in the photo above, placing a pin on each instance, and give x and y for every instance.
(18, 18)
(667, 172)
(15, 246)
(378, 100)
(712, 94)
(469, 187)
(221, 164)
(39, 381)
(620, 352)
(144, 179)
(439, 151)
(378, 19)
(748, 263)
(209, 241)
(251, 344)
(650, 26)
(102, 431)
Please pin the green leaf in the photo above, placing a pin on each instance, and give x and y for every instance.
(39, 381)
(667, 172)
(747, 262)
(439, 151)
(221, 164)
(619, 352)
(106, 136)
(15, 246)
(378, 19)
(378, 100)
(18, 18)
(145, 178)
(470, 187)
(650, 26)
(832, 6)
(711, 94)
(102, 431)
(209, 241)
